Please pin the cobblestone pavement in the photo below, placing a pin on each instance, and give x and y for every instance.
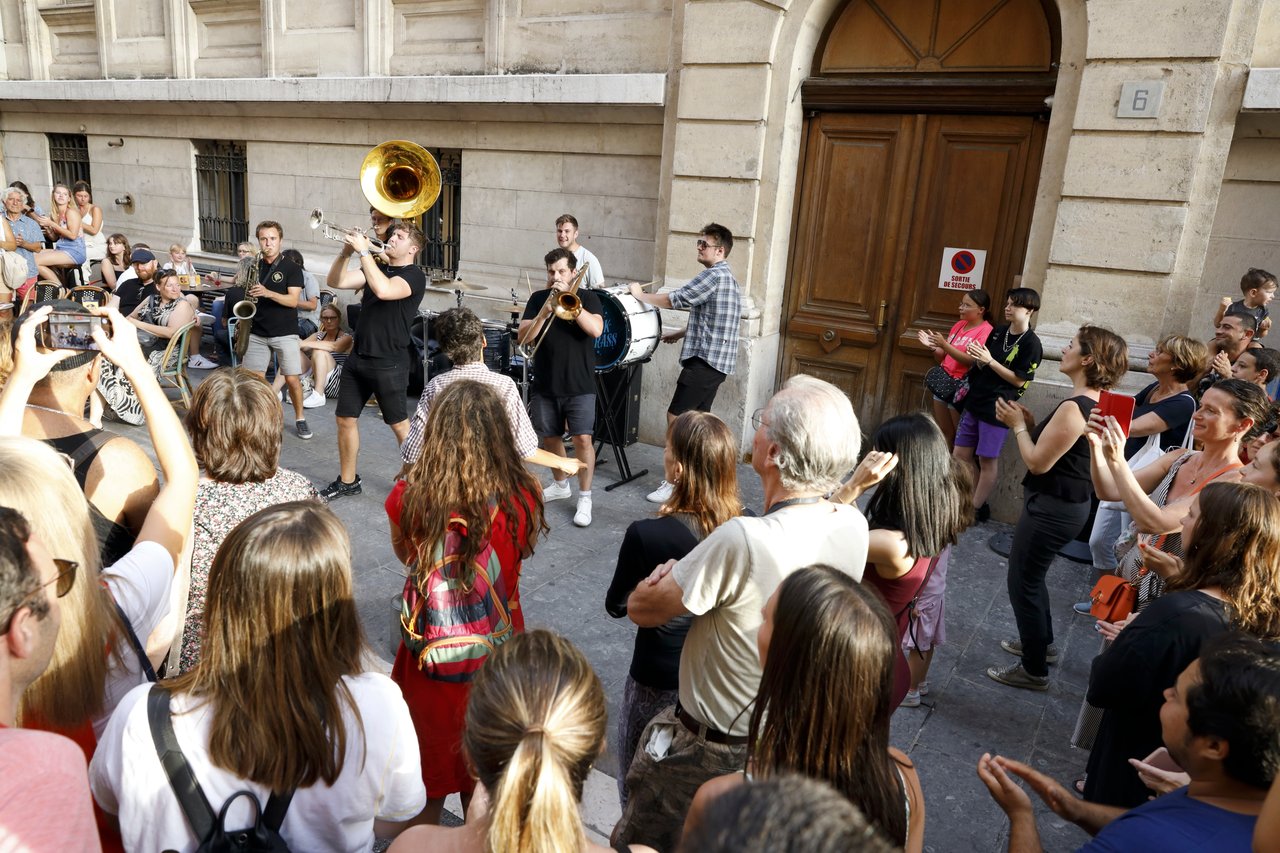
(563, 588)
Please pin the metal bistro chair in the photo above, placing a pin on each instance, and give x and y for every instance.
(326, 297)
(173, 364)
(89, 295)
(40, 293)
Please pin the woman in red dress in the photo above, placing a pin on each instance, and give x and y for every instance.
(469, 477)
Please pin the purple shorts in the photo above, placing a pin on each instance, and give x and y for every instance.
(988, 438)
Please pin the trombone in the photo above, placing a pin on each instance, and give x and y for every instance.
(333, 231)
(566, 306)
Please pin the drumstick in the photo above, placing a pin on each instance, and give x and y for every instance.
(528, 285)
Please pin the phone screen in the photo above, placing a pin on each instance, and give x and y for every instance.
(70, 330)
(1118, 406)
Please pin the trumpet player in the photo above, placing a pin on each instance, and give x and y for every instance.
(275, 319)
(378, 365)
(563, 391)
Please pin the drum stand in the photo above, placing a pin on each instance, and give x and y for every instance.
(611, 404)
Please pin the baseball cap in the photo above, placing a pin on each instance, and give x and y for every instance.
(141, 256)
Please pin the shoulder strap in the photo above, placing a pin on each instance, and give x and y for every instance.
(195, 805)
(912, 603)
(147, 669)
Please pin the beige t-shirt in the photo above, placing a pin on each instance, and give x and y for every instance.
(726, 581)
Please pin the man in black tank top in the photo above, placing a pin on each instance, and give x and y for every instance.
(378, 365)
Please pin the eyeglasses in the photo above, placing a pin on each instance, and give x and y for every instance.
(757, 419)
(64, 580)
(703, 244)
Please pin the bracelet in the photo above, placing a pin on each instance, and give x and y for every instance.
(1018, 432)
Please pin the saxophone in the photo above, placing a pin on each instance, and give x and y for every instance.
(245, 310)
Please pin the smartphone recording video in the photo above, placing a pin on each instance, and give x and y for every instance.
(71, 330)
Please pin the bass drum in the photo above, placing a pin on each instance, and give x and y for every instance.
(632, 329)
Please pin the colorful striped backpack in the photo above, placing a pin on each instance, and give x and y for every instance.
(448, 628)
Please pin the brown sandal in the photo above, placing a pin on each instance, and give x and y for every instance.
(1079, 786)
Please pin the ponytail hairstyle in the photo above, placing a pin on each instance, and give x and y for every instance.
(535, 723)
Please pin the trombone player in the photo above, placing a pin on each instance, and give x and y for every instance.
(563, 391)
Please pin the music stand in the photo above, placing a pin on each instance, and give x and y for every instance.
(611, 404)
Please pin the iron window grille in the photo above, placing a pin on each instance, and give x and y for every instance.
(220, 189)
(69, 158)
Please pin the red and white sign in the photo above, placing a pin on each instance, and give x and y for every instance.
(962, 269)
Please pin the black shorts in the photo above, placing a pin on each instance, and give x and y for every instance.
(363, 378)
(552, 416)
(696, 388)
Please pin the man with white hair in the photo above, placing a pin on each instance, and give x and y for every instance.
(806, 440)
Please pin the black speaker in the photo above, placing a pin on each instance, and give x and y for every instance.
(626, 417)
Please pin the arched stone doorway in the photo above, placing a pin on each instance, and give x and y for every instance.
(924, 129)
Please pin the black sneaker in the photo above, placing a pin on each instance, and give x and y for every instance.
(1015, 676)
(339, 489)
(304, 431)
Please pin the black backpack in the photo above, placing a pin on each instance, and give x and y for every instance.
(210, 829)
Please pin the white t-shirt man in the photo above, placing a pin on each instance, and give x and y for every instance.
(381, 775)
(726, 581)
(595, 273)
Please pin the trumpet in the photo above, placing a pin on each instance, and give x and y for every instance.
(566, 306)
(335, 232)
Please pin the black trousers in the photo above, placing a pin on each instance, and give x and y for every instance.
(1047, 523)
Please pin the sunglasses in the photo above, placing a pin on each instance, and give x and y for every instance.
(703, 244)
(64, 581)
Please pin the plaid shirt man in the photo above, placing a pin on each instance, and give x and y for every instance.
(521, 428)
(714, 304)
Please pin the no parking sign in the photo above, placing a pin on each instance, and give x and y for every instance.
(962, 269)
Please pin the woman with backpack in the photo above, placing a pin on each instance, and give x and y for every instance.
(281, 709)
(462, 521)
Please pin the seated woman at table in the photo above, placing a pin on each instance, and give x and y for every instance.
(324, 354)
(62, 225)
(116, 262)
(158, 319)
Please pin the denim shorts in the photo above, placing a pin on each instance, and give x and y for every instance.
(552, 416)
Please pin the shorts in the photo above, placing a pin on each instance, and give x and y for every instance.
(258, 355)
(387, 380)
(551, 416)
(696, 387)
(988, 438)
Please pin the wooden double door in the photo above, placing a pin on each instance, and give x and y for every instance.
(881, 196)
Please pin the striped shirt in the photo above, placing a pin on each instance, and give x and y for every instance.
(522, 433)
(714, 304)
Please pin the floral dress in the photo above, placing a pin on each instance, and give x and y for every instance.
(219, 508)
(114, 387)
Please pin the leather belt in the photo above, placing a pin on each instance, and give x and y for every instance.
(706, 732)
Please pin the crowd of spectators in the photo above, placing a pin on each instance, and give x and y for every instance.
(203, 621)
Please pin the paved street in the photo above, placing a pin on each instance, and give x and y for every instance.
(563, 588)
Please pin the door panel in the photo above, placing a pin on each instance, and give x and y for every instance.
(881, 196)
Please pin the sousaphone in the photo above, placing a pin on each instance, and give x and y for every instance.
(400, 178)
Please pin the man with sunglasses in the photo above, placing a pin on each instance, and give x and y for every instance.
(44, 787)
(710, 351)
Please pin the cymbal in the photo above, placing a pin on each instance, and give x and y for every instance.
(452, 284)
(510, 308)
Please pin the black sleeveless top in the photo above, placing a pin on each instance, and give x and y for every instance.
(114, 540)
(1069, 478)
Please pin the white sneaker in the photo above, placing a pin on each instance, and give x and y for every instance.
(582, 517)
(199, 362)
(911, 700)
(314, 400)
(557, 491)
(662, 494)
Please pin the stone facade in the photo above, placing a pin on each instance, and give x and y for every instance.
(647, 119)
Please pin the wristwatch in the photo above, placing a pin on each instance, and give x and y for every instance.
(365, 253)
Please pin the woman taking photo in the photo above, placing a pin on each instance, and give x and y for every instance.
(921, 506)
(491, 506)
(235, 424)
(159, 317)
(63, 226)
(700, 462)
(825, 635)
(951, 352)
(95, 241)
(324, 355)
(1164, 407)
(117, 260)
(1157, 495)
(109, 613)
(281, 702)
(1056, 496)
(1231, 534)
(535, 725)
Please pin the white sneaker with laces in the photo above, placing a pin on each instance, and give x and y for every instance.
(911, 700)
(582, 517)
(662, 494)
(314, 400)
(556, 491)
(199, 362)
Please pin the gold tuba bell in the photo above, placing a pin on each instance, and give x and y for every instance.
(400, 178)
